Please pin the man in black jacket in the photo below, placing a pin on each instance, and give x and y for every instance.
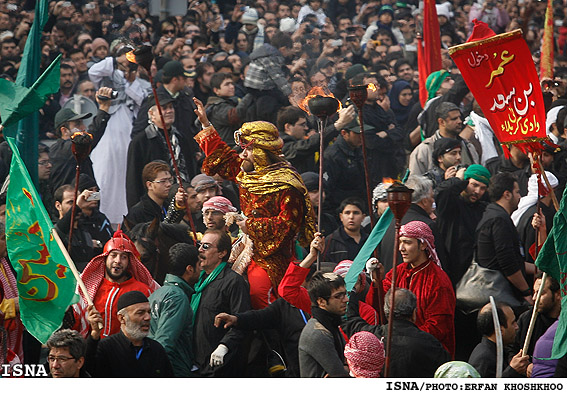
(218, 352)
(66, 123)
(483, 357)
(414, 353)
(343, 168)
(299, 149)
(345, 242)
(497, 241)
(129, 353)
(151, 145)
(158, 181)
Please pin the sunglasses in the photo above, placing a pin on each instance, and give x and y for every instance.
(169, 32)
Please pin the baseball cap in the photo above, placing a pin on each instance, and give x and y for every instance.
(67, 115)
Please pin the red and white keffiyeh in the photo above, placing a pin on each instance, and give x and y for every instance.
(423, 233)
(365, 355)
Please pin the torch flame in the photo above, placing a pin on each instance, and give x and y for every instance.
(387, 181)
(77, 133)
(131, 57)
(372, 87)
(314, 92)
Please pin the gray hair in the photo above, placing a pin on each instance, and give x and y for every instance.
(70, 339)
(405, 303)
(421, 186)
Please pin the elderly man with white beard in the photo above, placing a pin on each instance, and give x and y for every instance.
(129, 353)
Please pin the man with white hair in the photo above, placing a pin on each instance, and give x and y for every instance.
(128, 353)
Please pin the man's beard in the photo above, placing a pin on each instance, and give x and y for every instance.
(116, 277)
(134, 331)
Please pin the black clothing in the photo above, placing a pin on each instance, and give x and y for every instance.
(116, 357)
(229, 293)
(61, 155)
(455, 95)
(227, 115)
(287, 319)
(497, 242)
(145, 211)
(483, 359)
(500, 164)
(146, 147)
(386, 156)
(542, 323)
(457, 220)
(331, 322)
(184, 112)
(340, 246)
(414, 353)
(301, 153)
(344, 172)
(417, 213)
(94, 227)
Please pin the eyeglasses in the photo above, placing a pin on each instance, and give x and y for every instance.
(44, 163)
(339, 296)
(61, 359)
(205, 245)
(168, 181)
(168, 31)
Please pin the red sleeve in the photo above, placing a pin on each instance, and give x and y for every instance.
(220, 158)
(291, 289)
(368, 313)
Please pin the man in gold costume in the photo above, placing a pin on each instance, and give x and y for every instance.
(272, 197)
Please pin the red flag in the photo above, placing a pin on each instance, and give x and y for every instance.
(501, 75)
(546, 63)
(429, 48)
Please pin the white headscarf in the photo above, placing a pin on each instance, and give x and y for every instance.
(533, 193)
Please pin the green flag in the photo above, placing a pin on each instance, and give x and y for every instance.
(552, 258)
(46, 285)
(17, 102)
(371, 243)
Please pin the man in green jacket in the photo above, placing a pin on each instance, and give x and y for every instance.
(172, 317)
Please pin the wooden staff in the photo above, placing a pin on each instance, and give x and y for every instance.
(73, 269)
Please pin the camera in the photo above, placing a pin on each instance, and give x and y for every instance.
(113, 96)
(89, 6)
(336, 43)
(95, 196)
(351, 38)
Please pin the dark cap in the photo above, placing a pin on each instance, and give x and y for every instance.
(325, 62)
(131, 298)
(354, 70)
(85, 182)
(354, 126)
(311, 181)
(163, 97)
(173, 68)
(67, 115)
(444, 145)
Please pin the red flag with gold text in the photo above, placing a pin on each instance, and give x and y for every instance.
(500, 73)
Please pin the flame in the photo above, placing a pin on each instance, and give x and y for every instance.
(78, 133)
(314, 92)
(372, 87)
(131, 57)
(387, 181)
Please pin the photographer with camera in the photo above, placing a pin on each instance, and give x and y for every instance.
(91, 228)
(109, 157)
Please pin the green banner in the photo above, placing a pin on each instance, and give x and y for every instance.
(46, 285)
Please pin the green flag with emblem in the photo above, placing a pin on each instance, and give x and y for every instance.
(46, 285)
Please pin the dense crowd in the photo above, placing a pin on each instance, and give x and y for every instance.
(200, 231)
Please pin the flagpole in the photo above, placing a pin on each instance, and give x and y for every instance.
(73, 269)
(144, 57)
